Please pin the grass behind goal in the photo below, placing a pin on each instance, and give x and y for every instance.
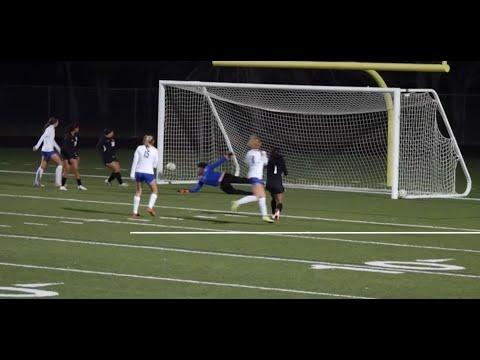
(81, 241)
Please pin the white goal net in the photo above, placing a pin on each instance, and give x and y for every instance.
(332, 138)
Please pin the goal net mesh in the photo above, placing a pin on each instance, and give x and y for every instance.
(334, 140)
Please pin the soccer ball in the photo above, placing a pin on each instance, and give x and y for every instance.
(171, 167)
(402, 194)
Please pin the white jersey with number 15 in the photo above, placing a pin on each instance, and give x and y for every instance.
(145, 160)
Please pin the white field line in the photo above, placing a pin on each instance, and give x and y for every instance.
(5, 226)
(105, 176)
(233, 255)
(206, 217)
(72, 222)
(106, 221)
(376, 243)
(50, 174)
(236, 216)
(184, 281)
(229, 232)
(34, 224)
(246, 213)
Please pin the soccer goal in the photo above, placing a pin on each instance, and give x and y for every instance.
(333, 138)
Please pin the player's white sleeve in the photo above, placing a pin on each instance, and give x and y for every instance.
(264, 158)
(134, 164)
(36, 147)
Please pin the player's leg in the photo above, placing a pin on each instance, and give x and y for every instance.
(59, 170)
(113, 175)
(39, 173)
(76, 171)
(279, 202)
(137, 198)
(259, 192)
(66, 170)
(226, 185)
(153, 197)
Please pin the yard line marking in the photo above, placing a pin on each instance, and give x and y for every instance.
(5, 226)
(34, 224)
(103, 177)
(34, 286)
(230, 232)
(246, 213)
(366, 242)
(107, 221)
(72, 222)
(206, 217)
(46, 173)
(315, 264)
(185, 281)
(237, 216)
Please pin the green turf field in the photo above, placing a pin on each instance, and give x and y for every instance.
(78, 244)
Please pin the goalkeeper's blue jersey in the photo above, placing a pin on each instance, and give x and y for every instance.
(210, 177)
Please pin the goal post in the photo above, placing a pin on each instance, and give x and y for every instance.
(333, 138)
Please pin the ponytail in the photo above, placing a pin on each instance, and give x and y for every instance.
(51, 121)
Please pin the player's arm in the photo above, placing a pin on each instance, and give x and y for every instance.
(193, 190)
(283, 166)
(100, 146)
(221, 161)
(264, 158)
(39, 143)
(136, 157)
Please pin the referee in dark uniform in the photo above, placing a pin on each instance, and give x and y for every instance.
(276, 168)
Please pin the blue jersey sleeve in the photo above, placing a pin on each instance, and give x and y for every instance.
(197, 188)
(218, 163)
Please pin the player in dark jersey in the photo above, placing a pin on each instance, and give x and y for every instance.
(275, 169)
(71, 158)
(208, 176)
(107, 148)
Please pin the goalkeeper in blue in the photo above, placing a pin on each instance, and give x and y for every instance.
(208, 176)
(256, 161)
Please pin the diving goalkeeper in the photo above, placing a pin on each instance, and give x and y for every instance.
(208, 176)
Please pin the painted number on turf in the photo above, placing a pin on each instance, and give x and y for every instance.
(27, 291)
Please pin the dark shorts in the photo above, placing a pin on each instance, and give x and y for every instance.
(256, 181)
(275, 188)
(146, 178)
(69, 156)
(109, 159)
(47, 155)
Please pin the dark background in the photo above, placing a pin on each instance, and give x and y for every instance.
(124, 94)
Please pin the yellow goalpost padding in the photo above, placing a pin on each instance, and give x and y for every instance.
(369, 67)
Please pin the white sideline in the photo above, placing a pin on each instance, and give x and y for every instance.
(101, 221)
(245, 213)
(233, 255)
(185, 281)
(366, 242)
(230, 232)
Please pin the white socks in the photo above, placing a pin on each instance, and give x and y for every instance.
(136, 204)
(38, 176)
(262, 203)
(153, 199)
(58, 175)
(246, 200)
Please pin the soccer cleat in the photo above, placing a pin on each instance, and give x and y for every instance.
(108, 183)
(135, 216)
(151, 212)
(235, 206)
(38, 185)
(267, 219)
(123, 185)
(63, 188)
(81, 188)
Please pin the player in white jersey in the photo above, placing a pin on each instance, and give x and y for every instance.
(50, 151)
(256, 161)
(144, 164)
